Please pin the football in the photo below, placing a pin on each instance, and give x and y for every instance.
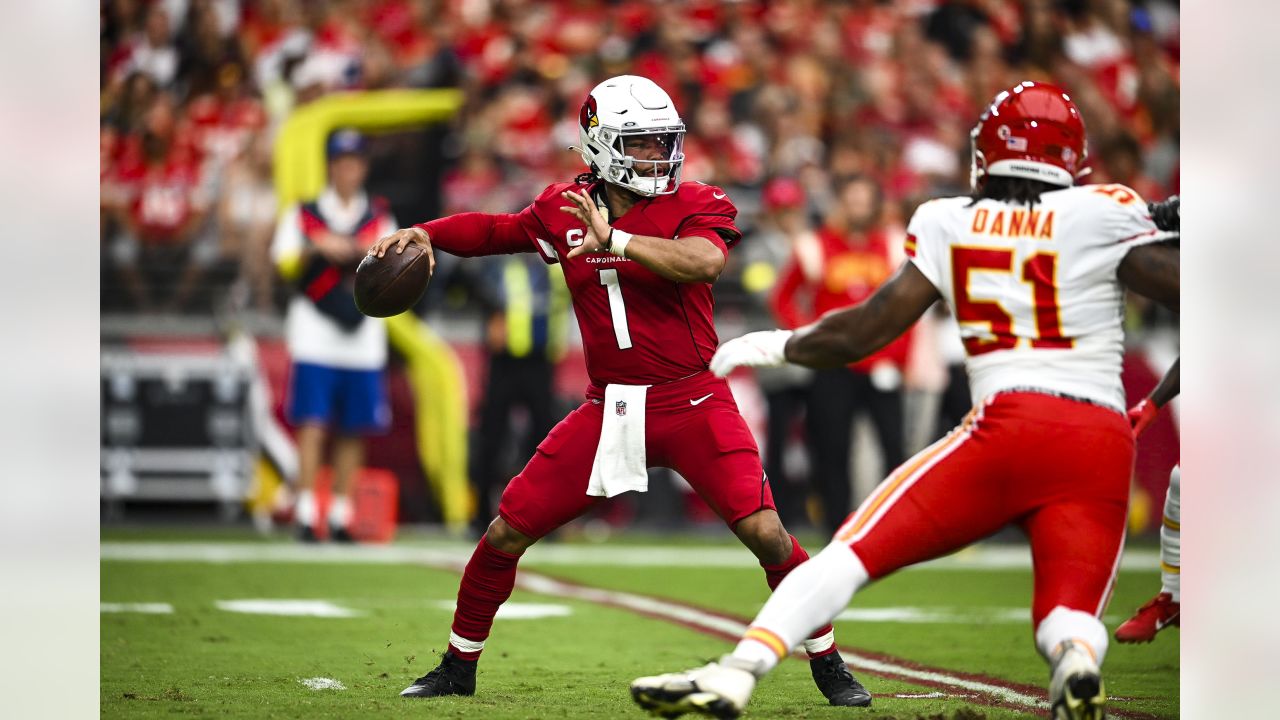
(391, 284)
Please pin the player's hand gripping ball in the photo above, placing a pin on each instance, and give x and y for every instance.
(395, 273)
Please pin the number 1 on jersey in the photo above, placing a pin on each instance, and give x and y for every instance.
(609, 279)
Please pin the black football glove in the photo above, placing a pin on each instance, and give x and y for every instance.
(1166, 213)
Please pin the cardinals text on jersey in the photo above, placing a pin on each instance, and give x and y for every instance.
(638, 327)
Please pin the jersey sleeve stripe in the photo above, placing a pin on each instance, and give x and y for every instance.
(545, 248)
(1149, 235)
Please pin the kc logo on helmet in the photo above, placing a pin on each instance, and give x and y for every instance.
(620, 407)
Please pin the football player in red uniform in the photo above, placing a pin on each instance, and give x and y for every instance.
(640, 250)
(1033, 266)
(1165, 609)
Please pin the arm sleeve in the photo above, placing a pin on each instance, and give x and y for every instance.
(924, 245)
(722, 237)
(713, 219)
(474, 234)
(1126, 224)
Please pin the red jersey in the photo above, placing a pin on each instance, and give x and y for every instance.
(161, 198)
(848, 276)
(638, 328)
(224, 128)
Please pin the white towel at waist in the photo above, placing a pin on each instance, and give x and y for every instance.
(620, 463)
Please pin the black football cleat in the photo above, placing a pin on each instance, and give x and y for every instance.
(453, 676)
(833, 678)
(307, 534)
(340, 535)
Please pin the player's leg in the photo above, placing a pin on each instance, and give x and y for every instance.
(309, 407)
(1165, 609)
(550, 491)
(714, 450)
(1076, 528)
(1075, 547)
(1171, 539)
(936, 502)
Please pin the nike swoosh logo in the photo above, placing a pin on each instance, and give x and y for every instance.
(1162, 624)
(718, 196)
(704, 397)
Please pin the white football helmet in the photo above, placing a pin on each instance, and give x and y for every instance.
(624, 107)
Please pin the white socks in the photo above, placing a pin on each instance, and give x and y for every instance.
(813, 646)
(1171, 538)
(1062, 624)
(340, 512)
(305, 509)
(808, 598)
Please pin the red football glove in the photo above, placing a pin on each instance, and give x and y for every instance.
(1142, 415)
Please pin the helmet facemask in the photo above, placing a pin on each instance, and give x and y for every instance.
(977, 161)
(650, 163)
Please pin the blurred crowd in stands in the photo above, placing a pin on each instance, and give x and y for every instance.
(809, 92)
(827, 122)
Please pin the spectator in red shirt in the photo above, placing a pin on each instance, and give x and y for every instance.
(163, 203)
(853, 259)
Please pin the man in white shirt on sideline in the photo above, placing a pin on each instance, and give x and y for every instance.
(338, 354)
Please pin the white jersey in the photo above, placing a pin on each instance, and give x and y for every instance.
(311, 336)
(1034, 290)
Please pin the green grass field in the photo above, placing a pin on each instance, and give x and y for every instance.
(204, 661)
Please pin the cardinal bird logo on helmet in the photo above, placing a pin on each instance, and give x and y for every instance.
(587, 117)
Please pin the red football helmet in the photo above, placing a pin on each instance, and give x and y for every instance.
(1032, 131)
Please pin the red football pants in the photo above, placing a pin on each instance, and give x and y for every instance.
(1059, 468)
(708, 443)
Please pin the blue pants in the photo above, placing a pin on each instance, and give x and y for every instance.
(353, 400)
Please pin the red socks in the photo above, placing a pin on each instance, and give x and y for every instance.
(775, 573)
(486, 584)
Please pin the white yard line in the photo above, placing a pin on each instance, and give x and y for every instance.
(988, 557)
(517, 610)
(145, 608)
(287, 608)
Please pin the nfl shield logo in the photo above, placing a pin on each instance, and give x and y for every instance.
(620, 407)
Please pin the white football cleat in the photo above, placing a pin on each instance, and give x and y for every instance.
(1075, 689)
(720, 690)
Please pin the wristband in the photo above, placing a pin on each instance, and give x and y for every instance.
(618, 240)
